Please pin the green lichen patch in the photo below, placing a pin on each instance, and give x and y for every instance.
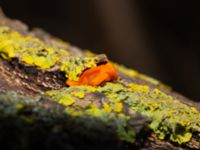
(117, 121)
(12, 103)
(29, 50)
(74, 91)
(74, 66)
(111, 114)
(62, 98)
(32, 51)
(170, 118)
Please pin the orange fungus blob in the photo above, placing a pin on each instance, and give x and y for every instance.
(96, 75)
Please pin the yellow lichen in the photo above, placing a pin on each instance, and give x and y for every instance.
(139, 88)
(33, 51)
(95, 111)
(159, 94)
(61, 98)
(79, 94)
(107, 107)
(19, 106)
(117, 107)
(28, 50)
(74, 66)
(67, 101)
(170, 118)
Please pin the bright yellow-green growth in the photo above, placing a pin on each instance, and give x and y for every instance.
(117, 107)
(29, 50)
(32, 51)
(61, 98)
(139, 88)
(108, 112)
(107, 107)
(66, 96)
(74, 66)
(170, 118)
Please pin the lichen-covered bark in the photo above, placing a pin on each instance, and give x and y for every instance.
(134, 111)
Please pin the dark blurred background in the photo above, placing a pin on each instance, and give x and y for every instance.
(158, 38)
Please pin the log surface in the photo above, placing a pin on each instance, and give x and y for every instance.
(41, 123)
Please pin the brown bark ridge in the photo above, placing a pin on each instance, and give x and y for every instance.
(29, 119)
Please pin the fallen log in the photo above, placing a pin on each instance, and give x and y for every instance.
(108, 106)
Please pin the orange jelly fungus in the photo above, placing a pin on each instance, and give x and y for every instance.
(96, 75)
